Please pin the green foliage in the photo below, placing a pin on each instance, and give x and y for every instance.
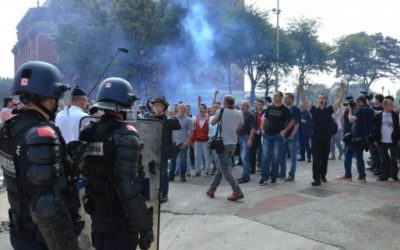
(364, 58)
(310, 55)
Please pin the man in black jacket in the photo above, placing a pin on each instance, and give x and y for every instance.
(386, 139)
(160, 107)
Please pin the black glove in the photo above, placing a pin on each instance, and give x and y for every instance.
(78, 151)
(145, 239)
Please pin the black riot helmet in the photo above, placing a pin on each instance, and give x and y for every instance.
(40, 79)
(161, 100)
(115, 94)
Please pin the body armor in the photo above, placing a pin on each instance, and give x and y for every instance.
(41, 195)
(114, 188)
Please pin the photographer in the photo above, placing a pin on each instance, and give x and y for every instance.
(361, 135)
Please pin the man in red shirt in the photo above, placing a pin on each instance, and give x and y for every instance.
(200, 139)
(255, 152)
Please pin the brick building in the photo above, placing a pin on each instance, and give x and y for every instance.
(34, 33)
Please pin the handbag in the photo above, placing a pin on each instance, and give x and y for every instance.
(217, 142)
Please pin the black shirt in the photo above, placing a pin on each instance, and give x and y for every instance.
(321, 121)
(363, 126)
(250, 122)
(277, 119)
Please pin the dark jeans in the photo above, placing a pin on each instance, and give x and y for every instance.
(375, 157)
(348, 156)
(182, 155)
(389, 163)
(305, 146)
(164, 177)
(255, 153)
(24, 240)
(320, 153)
(272, 151)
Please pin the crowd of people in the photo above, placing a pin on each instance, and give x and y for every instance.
(41, 158)
(262, 137)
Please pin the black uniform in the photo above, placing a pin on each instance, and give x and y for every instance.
(43, 198)
(114, 191)
(169, 125)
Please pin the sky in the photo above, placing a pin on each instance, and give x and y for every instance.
(337, 18)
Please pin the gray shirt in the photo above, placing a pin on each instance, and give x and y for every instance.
(179, 136)
(231, 119)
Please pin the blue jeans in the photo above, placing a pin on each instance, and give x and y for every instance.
(349, 153)
(245, 155)
(291, 146)
(271, 149)
(182, 156)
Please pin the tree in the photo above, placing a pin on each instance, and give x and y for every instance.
(310, 55)
(364, 58)
(247, 42)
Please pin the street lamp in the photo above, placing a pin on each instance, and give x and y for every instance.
(277, 11)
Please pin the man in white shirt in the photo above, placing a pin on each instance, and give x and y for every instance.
(76, 112)
(231, 120)
(68, 122)
(62, 122)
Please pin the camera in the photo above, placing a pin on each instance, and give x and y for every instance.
(367, 95)
(350, 102)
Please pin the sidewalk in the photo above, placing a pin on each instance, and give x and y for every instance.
(282, 216)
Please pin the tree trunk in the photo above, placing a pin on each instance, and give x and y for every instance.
(253, 91)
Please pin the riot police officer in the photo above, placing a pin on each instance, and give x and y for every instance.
(33, 156)
(114, 200)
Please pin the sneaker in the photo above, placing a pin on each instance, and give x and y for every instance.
(236, 196)
(395, 178)
(315, 183)
(262, 182)
(361, 179)
(289, 179)
(323, 179)
(273, 181)
(242, 180)
(210, 193)
(343, 178)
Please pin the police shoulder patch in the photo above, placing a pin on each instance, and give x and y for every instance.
(130, 128)
(46, 132)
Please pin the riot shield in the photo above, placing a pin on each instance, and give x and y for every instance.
(150, 132)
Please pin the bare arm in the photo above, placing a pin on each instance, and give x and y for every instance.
(352, 118)
(289, 126)
(295, 129)
(215, 97)
(215, 118)
(339, 101)
(303, 97)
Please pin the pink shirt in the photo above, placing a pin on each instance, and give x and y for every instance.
(5, 114)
